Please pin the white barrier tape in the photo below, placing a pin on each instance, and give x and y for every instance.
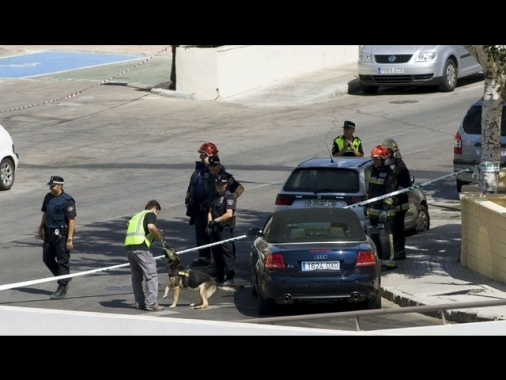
(80, 92)
(54, 278)
(408, 188)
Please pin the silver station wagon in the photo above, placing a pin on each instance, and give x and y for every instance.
(414, 65)
(342, 182)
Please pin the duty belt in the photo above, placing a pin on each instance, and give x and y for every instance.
(63, 230)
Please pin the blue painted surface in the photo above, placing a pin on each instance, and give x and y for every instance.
(50, 62)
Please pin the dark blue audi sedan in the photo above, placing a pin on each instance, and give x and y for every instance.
(317, 255)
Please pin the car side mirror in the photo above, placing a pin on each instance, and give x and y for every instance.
(412, 179)
(254, 232)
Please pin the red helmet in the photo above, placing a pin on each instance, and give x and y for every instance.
(380, 151)
(208, 148)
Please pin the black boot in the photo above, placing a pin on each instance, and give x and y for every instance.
(60, 293)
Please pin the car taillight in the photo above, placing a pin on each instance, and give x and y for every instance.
(274, 261)
(457, 144)
(352, 199)
(366, 259)
(283, 200)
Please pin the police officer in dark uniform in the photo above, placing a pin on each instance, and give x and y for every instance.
(215, 167)
(221, 223)
(57, 230)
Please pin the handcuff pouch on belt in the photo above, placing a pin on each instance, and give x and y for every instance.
(230, 222)
(56, 234)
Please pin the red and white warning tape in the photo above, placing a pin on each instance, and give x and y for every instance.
(106, 269)
(70, 96)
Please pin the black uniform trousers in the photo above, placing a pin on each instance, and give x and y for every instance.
(201, 237)
(56, 256)
(383, 239)
(399, 234)
(223, 254)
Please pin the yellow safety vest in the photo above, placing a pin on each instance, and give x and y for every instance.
(340, 143)
(135, 234)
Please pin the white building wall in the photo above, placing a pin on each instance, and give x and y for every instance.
(218, 73)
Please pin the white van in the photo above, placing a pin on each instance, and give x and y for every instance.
(9, 160)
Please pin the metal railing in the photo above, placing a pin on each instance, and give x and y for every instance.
(441, 309)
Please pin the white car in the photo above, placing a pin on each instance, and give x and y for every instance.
(9, 160)
(414, 65)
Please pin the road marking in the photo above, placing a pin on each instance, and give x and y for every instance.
(53, 62)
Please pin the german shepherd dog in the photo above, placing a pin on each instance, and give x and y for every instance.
(203, 284)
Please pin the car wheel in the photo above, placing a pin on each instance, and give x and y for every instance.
(460, 184)
(264, 306)
(370, 89)
(449, 78)
(6, 174)
(423, 220)
(253, 289)
(372, 304)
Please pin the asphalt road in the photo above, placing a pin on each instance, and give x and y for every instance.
(118, 146)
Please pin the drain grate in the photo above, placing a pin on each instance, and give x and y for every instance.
(403, 101)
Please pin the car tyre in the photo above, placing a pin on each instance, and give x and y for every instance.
(7, 174)
(449, 78)
(253, 289)
(264, 306)
(423, 220)
(460, 184)
(373, 304)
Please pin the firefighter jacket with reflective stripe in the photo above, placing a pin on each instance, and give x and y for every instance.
(135, 230)
(403, 182)
(381, 182)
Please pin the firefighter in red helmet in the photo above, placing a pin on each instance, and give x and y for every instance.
(402, 200)
(196, 201)
(381, 213)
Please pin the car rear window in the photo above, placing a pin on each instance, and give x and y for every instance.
(472, 121)
(312, 231)
(323, 180)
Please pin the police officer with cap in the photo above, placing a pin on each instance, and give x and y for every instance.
(220, 226)
(57, 230)
(215, 167)
(347, 144)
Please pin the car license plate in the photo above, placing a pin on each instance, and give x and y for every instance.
(391, 70)
(308, 266)
(319, 203)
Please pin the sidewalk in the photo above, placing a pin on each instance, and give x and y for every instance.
(424, 278)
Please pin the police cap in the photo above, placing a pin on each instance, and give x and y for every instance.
(214, 161)
(55, 180)
(221, 179)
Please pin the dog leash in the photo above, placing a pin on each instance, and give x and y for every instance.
(202, 246)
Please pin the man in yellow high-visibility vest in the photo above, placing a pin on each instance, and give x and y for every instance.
(141, 231)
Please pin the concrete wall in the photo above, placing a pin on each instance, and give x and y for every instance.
(18, 321)
(484, 233)
(31, 321)
(218, 73)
